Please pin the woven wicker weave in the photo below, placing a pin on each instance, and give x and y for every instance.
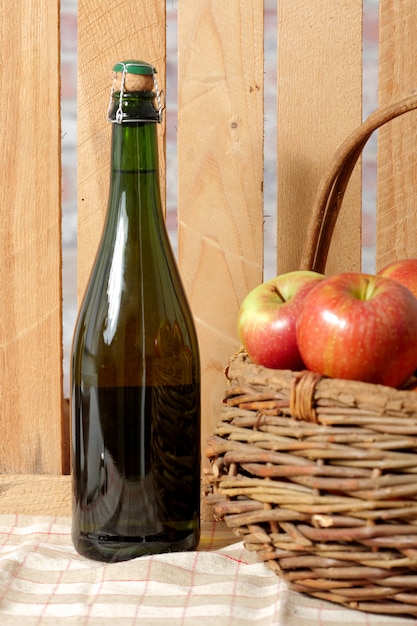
(319, 475)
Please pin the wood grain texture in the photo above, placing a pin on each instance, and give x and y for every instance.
(35, 495)
(106, 35)
(319, 105)
(220, 174)
(30, 240)
(397, 155)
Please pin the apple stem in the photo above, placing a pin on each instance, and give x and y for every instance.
(275, 289)
(369, 290)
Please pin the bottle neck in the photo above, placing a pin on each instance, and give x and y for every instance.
(134, 177)
(134, 148)
(134, 140)
(136, 106)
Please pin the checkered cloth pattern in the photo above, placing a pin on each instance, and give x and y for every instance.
(43, 581)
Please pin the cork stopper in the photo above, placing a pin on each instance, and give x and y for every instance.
(133, 83)
(133, 76)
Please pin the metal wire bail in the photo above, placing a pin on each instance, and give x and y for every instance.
(119, 112)
(159, 94)
(159, 97)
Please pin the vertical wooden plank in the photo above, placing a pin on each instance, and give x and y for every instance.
(108, 34)
(319, 104)
(220, 173)
(397, 157)
(30, 275)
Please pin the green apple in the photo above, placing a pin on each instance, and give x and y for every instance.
(267, 318)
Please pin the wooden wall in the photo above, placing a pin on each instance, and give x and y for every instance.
(397, 154)
(30, 248)
(220, 171)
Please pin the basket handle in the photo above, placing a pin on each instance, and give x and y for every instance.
(332, 189)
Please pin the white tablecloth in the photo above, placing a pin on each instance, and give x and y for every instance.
(43, 581)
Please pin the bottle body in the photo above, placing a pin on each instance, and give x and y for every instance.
(135, 376)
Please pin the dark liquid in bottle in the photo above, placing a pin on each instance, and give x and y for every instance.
(136, 470)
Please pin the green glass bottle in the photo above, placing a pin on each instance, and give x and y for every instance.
(135, 371)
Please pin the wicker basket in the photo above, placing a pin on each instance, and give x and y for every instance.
(319, 475)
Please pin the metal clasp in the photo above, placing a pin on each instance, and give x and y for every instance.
(159, 97)
(159, 94)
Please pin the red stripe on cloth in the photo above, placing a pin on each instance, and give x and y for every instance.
(95, 597)
(235, 583)
(145, 589)
(190, 587)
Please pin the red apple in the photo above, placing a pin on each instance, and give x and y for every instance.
(403, 270)
(267, 316)
(360, 327)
